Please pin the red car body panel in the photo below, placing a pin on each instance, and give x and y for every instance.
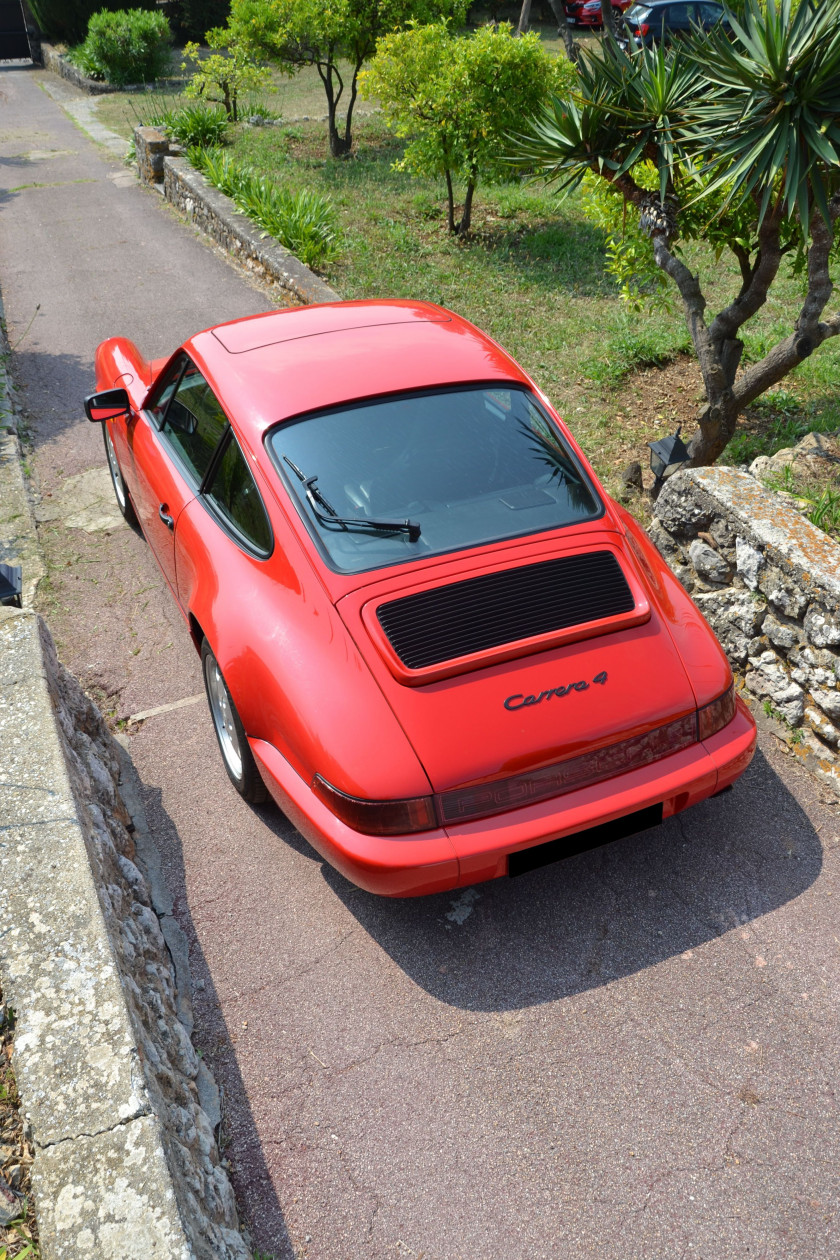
(317, 686)
(592, 17)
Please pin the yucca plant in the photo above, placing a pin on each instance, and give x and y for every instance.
(742, 127)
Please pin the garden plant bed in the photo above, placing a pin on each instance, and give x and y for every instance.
(532, 274)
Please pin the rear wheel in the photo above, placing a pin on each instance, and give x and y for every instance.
(120, 491)
(233, 743)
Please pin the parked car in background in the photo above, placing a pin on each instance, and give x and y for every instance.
(590, 13)
(662, 21)
(424, 627)
(573, 10)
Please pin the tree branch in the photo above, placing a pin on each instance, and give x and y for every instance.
(753, 295)
(744, 263)
(694, 304)
(819, 279)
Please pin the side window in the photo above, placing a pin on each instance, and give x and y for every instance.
(677, 16)
(707, 14)
(234, 494)
(158, 407)
(194, 421)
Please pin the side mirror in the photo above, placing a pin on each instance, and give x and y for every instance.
(108, 405)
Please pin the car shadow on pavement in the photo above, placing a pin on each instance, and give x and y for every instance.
(596, 917)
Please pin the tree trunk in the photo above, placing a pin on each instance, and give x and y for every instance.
(466, 213)
(608, 19)
(524, 17)
(450, 202)
(338, 144)
(564, 30)
(354, 89)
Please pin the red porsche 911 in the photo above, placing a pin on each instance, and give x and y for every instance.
(425, 629)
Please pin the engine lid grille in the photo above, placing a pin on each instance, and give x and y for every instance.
(486, 612)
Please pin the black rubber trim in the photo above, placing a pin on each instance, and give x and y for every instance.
(581, 841)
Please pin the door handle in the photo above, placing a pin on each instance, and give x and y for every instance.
(169, 521)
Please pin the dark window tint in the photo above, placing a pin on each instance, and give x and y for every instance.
(466, 466)
(707, 14)
(170, 384)
(194, 421)
(234, 493)
(677, 16)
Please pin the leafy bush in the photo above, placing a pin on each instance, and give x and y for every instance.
(191, 125)
(197, 125)
(226, 73)
(455, 99)
(67, 20)
(128, 46)
(303, 222)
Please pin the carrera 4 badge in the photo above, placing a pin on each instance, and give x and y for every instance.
(523, 702)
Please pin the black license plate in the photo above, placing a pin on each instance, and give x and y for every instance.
(580, 841)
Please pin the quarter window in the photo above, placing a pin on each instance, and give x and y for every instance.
(234, 494)
(194, 421)
(158, 408)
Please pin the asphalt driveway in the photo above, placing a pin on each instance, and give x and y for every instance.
(631, 1054)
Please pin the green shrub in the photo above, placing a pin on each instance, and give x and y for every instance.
(303, 222)
(128, 46)
(200, 125)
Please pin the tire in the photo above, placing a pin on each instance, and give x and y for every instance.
(120, 489)
(233, 743)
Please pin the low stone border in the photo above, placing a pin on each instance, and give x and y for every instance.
(768, 582)
(119, 1109)
(112, 1087)
(55, 61)
(217, 216)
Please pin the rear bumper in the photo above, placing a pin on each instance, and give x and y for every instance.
(434, 861)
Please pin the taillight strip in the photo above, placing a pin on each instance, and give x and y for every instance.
(424, 813)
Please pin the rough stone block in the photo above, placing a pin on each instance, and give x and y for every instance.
(826, 730)
(709, 564)
(829, 702)
(748, 562)
(821, 629)
(667, 546)
(784, 595)
(780, 634)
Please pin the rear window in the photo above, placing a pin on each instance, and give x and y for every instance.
(638, 13)
(398, 479)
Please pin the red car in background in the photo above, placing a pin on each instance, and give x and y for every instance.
(589, 13)
(425, 629)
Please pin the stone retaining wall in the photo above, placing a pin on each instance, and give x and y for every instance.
(768, 582)
(126, 1162)
(217, 215)
(58, 64)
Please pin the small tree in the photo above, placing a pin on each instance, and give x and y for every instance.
(731, 139)
(225, 74)
(297, 33)
(455, 99)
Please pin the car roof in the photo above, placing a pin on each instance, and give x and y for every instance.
(270, 367)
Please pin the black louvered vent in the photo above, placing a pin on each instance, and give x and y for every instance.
(485, 612)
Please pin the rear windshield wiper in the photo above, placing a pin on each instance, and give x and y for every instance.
(317, 500)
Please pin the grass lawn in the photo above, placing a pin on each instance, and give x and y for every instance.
(532, 275)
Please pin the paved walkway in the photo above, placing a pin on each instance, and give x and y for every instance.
(632, 1054)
